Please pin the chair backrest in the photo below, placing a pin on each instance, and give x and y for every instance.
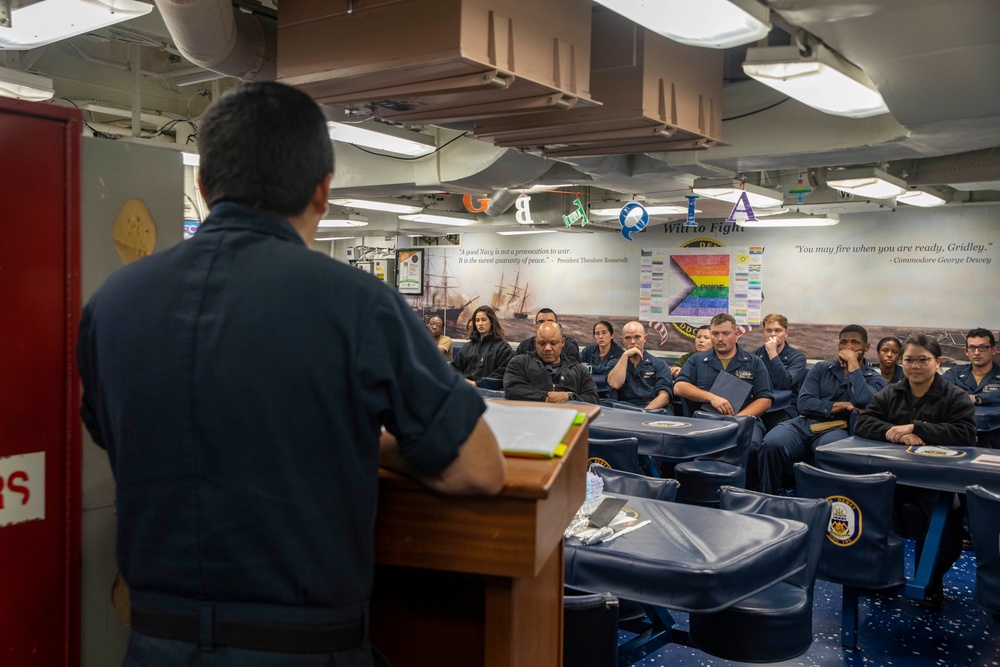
(813, 512)
(617, 453)
(633, 484)
(859, 549)
(621, 405)
(744, 435)
(984, 529)
(491, 393)
(590, 630)
(491, 383)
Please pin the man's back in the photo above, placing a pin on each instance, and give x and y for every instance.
(239, 382)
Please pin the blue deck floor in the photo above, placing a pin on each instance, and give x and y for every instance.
(893, 631)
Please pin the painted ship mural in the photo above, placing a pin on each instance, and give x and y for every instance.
(511, 300)
(443, 296)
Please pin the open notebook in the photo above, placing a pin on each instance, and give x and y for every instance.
(530, 431)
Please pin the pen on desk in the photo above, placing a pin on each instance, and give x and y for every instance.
(626, 530)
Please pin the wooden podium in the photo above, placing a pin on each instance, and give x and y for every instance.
(477, 580)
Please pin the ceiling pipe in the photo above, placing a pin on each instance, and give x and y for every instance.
(214, 35)
(501, 201)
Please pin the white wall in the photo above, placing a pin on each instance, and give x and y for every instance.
(922, 269)
(113, 172)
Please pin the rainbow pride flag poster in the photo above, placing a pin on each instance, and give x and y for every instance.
(693, 284)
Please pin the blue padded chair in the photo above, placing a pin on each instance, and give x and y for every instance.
(701, 481)
(984, 525)
(617, 453)
(633, 484)
(622, 405)
(861, 551)
(744, 435)
(776, 623)
(491, 393)
(590, 630)
(490, 383)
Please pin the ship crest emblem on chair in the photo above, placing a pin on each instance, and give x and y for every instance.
(845, 521)
(936, 451)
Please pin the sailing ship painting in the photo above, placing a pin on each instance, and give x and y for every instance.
(443, 296)
(511, 299)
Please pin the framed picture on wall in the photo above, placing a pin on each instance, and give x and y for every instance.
(410, 271)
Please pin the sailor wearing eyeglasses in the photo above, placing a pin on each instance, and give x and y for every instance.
(924, 409)
(981, 378)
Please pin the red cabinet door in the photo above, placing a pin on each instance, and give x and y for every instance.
(39, 424)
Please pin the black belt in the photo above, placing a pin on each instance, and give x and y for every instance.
(188, 626)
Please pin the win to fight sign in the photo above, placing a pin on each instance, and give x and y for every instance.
(22, 488)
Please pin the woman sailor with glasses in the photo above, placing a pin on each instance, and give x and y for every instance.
(924, 409)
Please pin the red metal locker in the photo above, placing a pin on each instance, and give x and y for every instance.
(39, 390)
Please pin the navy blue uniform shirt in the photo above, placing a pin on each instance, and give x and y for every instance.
(239, 382)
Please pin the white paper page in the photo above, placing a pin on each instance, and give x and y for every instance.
(521, 429)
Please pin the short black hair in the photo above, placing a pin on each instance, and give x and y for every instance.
(981, 333)
(856, 328)
(703, 327)
(264, 145)
(545, 310)
(924, 341)
(889, 339)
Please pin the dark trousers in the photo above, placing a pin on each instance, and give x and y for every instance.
(145, 651)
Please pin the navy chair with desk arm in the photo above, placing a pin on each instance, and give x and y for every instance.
(494, 384)
(702, 478)
(616, 453)
(984, 527)
(861, 551)
(622, 405)
(988, 426)
(665, 439)
(691, 559)
(948, 469)
(619, 482)
(491, 393)
(775, 623)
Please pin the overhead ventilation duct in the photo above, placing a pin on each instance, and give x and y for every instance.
(215, 35)
(438, 61)
(501, 201)
(656, 95)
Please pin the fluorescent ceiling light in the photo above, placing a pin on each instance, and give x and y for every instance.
(528, 231)
(921, 198)
(717, 24)
(377, 205)
(440, 218)
(54, 20)
(866, 182)
(727, 190)
(383, 137)
(554, 186)
(651, 210)
(190, 159)
(792, 220)
(340, 220)
(823, 79)
(24, 86)
(333, 238)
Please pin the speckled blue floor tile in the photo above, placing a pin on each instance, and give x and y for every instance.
(893, 631)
